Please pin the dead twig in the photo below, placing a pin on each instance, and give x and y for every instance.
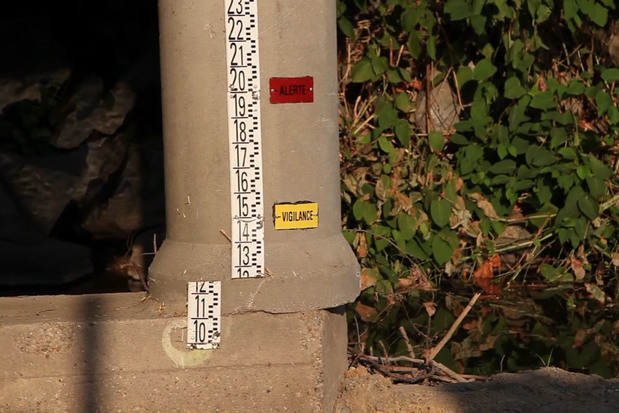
(418, 372)
(435, 350)
(411, 352)
(448, 371)
(226, 235)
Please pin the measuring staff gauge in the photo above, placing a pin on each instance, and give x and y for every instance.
(245, 140)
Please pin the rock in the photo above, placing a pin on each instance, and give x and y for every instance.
(92, 109)
(136, 203)
(106, 158)
(29, 258)
(444, 111)
(43, 185)
(23, 74)
(122, 212)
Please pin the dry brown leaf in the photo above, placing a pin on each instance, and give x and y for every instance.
(483, 277)
(578, 269)
(579, 338)
(420, 279)
(541, 84)
(495, 260)
(484, 205)
(459, 183)
(470, 325)
(513, 233)
(404, 202)
(362, 247)
(368, 278)
(596, 292)
(365, 311)
(416, 84)
(485, 270)
(585, 125)
(430, 308)
(404, 282)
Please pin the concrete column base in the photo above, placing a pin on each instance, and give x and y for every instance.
(115, 352)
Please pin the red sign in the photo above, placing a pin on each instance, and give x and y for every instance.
(291, 89)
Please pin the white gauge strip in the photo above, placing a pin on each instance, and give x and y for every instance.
(204, 314)
(245, 140)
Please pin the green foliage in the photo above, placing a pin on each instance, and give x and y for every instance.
(518, 193)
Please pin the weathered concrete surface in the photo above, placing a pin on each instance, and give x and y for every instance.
(116, 353)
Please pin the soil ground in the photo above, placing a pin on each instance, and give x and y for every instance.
(540, 391)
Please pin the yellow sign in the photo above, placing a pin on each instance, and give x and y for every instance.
(300, 215)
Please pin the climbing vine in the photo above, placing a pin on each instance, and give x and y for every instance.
(479, 152)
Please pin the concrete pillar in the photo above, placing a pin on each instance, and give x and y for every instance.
(309, 268)
(119, 352)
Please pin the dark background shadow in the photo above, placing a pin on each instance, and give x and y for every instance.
(70, 214)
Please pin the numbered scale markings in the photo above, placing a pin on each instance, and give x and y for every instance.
(204, 314)
(247, 202)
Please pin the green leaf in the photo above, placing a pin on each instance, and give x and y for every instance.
(557, 136)
(407, 224)
(465, 73)
(549, 272)
(589, 207)
(598, 14)
(380, 64)
(414, 248)
(385, 144)
(576, 87)
(478, 23)
(346, 27)
(403, 102)
(599, 168)
(458, 9)
(484, 69)
(513, 88)
(349, 236)
(385, 232)
(387, 116)
(568, 153)
(543, 157)
(583, 172)
(414, 44)
(440, 210)
(363, 210)
(459, 139)
(565, 182)
(570, 8)
(603, 101)
(506, 166)
(431, 47)
(580, 227)
(436, 140)
(543, 100)
(610, 75)
(362, 71)
(393, 76)
(403, 132)
(441, 250)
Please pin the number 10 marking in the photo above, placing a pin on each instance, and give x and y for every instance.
(204, 314)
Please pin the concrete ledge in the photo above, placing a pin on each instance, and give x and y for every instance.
(116, 353)
(307, 274)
